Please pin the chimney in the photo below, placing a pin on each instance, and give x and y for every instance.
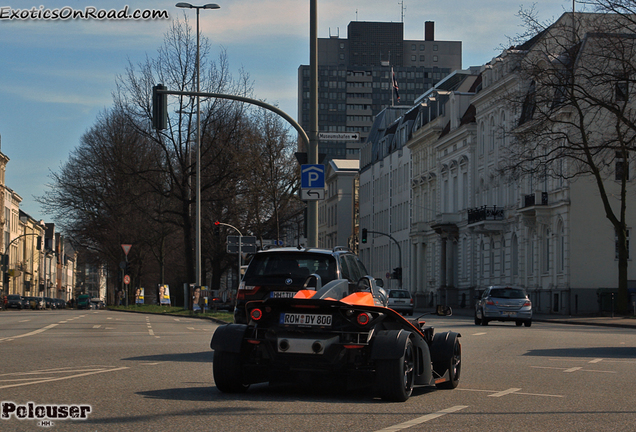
(429, 30)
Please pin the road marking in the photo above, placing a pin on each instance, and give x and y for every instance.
(97, 326)
(63, 378)
(151, 332)
(423, 419)
(505, 392)
(596, 360)
(574, 369)
(34, 332)
(177, 319)
(508, 392)
(24, 320)
(479, 334)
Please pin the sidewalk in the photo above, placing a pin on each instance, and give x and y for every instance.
(617, 321)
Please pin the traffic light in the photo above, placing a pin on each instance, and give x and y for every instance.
(364, 235)
(217, 228)
(159, 108)
(397, 273)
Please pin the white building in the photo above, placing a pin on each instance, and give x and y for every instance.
(471, 225)
(336, 211)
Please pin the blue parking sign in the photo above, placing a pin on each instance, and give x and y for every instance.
(312, 176)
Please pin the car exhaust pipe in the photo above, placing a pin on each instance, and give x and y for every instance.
(317, 347)
(283, 345)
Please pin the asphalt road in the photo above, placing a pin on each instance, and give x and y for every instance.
(152, 372)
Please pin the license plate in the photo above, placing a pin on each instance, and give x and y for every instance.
(282, 294)
(510, 314)
(305, 319)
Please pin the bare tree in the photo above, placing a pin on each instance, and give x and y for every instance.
(175, 67)
(576, 111)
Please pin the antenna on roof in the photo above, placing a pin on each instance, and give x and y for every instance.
(403, 9)
(356, 14)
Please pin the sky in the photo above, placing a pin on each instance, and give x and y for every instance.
(57, 76)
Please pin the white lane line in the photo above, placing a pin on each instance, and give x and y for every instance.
(505, 392)
(27, 320)
(34, 332)
(516, 393)
(62, 378)
(423, 419)
(596, 360)
(479, 334)
(151, 332)
(574, 369)
(97, 326)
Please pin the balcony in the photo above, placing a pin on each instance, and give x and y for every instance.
(534, 206)
(486, 219)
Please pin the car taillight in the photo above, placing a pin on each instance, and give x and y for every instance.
(256, 314)
(411, 302)
(490, 302)
(528, 303)
(244, 290)
(363, 318)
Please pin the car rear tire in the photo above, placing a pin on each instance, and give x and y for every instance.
(518, 323)
(477, 319)
(484, 321)
(395, 376)
(228, 372)
(454, 367)
(528, 323)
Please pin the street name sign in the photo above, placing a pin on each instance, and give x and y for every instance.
(338, 136)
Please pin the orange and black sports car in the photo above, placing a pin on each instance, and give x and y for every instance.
(335, 332)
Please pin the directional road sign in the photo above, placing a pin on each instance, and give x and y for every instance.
(312, 194)
(248, 244)
(338, 136)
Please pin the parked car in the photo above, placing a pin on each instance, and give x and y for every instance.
(282, 272)
(25, 303)
(83, 301)
(504, 303)
(97, 304)
(401, 301)
(35, 303)
(14, 301)
(340, 334)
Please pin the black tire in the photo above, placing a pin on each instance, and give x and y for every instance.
(518, 323)
(484, 321)
(477, 320)
(454, 366)
(528, 323)
(394, 377)
(228, 373)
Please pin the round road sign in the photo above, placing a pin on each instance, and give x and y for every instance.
(127, 279)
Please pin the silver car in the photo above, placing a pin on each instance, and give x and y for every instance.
(401, 301)
(504, 303)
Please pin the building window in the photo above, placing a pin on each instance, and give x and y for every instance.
(434, 58)
(422, 58)
(435, 48)
(622, 90)
(626, 243)
(413, 58)
(622, 167)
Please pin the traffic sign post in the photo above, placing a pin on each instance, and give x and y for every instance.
(312, 182)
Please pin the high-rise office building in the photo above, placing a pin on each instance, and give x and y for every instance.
(356, 77)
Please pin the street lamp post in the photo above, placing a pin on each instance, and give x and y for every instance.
(197, 247)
